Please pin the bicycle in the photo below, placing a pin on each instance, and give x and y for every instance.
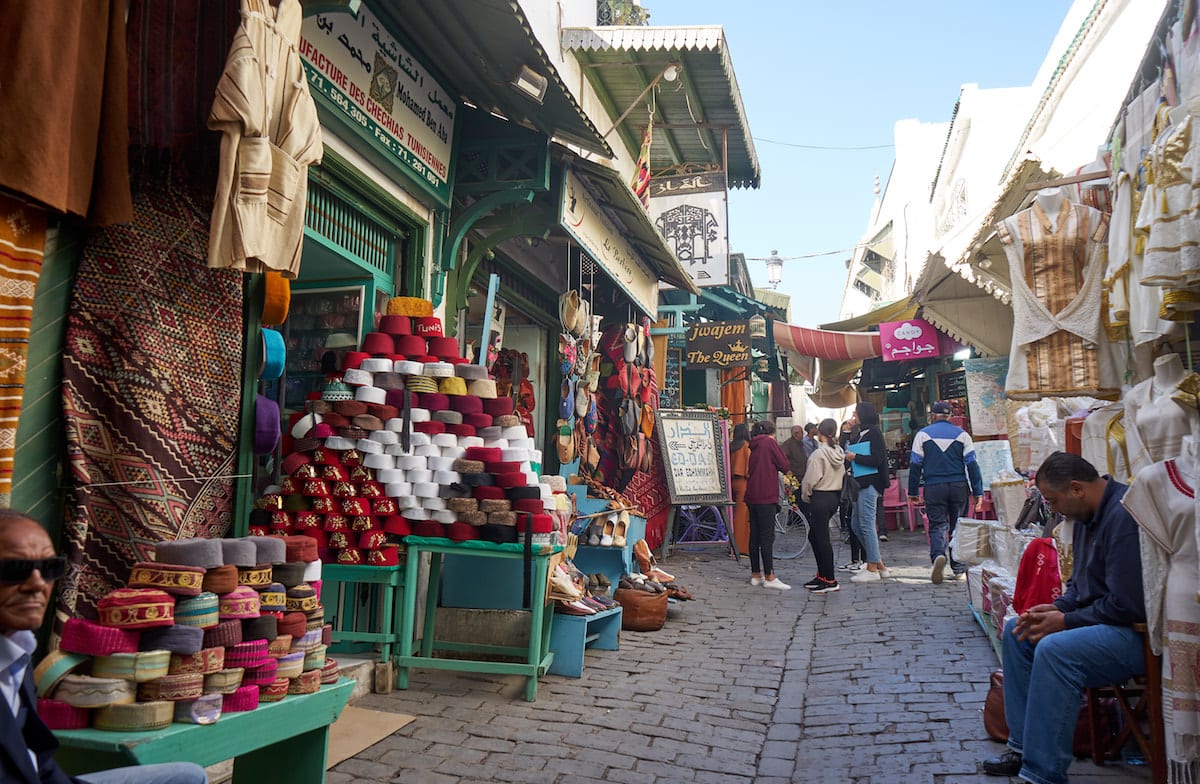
(791, 533)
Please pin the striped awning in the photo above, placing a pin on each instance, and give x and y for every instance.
(824, 344)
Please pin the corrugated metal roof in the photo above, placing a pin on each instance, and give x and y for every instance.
(690, 113)
(478, 53)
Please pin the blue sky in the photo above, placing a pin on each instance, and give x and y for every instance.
(841, 74)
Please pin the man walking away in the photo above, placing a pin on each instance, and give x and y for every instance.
(945, 455)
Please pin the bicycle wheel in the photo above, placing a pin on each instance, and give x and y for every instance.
(791, 533)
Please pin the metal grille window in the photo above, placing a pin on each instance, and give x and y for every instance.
(621, 12)
(345, 225)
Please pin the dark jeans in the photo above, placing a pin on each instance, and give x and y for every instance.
(824, 505)
(944, 504)
(762, 537)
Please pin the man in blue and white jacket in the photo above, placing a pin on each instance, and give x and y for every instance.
(945, 455)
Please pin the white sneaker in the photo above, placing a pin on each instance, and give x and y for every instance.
(756, 581)
(866, 576)
(938, 571)
(853, 566)
(777, 584)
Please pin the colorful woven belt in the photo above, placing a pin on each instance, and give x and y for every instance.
(178, 579)
(93, 639)
(137, 667)
(136, 608)
(138, 717)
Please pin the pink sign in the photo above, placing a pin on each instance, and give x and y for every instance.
(913, 339)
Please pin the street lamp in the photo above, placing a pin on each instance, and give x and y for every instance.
(774, 269)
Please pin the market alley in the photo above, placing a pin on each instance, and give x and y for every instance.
(874, 684)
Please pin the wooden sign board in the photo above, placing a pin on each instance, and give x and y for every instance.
(693, 456)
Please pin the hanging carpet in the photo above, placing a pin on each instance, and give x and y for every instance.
(648, 489)
(152, 371)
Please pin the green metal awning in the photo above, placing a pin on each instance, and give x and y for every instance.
(697, 117)
(479, 47)
(628, 213)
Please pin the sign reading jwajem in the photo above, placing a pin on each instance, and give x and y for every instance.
(913, 339)
(378, 86)
(718, 344)
(582, 217)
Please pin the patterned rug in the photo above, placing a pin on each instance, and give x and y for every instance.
(152, 372)
(22, 243)
(649, 492)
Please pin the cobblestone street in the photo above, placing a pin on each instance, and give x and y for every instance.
(875, 684)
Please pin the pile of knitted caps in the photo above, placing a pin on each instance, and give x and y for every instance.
(411, 441)
(211, 626)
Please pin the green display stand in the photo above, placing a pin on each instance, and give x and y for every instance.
(279, 741)
(536, 657)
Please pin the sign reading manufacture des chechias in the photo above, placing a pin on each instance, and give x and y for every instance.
(376, 84)
(718, 344)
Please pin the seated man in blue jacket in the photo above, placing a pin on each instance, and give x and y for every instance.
(28, 569)
(945, 455)
(1051, 652)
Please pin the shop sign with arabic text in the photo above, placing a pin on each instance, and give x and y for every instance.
(913, 339)
(583, 218)
(691, 214)
(382, 90)
(718, 344)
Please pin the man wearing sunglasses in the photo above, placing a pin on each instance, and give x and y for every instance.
(28, 569)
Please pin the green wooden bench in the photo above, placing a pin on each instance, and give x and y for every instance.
(279, 741)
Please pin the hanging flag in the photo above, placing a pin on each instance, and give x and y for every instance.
(641, 178)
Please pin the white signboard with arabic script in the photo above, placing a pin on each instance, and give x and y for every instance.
(380, 87)
(582, 217)
(693, 451)
(691, 214)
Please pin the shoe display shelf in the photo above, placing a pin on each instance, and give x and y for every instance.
(571, 635)
(363, 605)
(612, 562)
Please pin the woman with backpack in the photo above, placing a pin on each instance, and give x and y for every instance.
(821, 489)
(869, 452)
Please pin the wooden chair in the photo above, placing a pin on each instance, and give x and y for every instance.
(1139, 700)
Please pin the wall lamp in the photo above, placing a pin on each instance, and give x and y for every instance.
(530, 83)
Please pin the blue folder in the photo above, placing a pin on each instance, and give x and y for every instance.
(856, 469)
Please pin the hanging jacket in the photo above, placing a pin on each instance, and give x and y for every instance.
(767, 461)
(270, 134)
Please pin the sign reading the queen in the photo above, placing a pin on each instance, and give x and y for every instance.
(913, 339)
(383, 92)
(718, 344)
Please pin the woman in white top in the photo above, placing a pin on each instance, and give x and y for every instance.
(821, 488)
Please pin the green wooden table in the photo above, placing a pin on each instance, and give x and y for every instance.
(362, 603)
(279, 741)
(536, 657)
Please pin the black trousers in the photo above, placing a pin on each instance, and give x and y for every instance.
(824, 505)
(762, 537)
